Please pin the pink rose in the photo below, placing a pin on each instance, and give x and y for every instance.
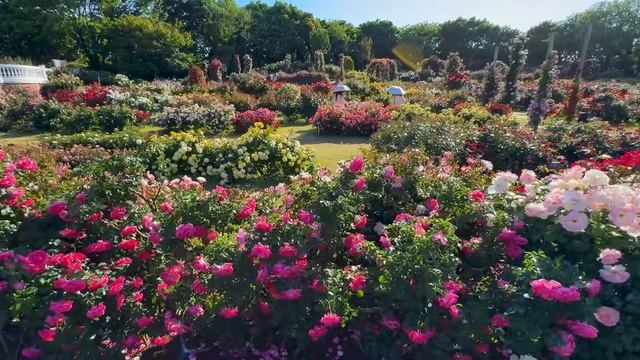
(185, 231)
(581, 329)
(61, 307)
(261, 251)
(330, 320)
(357, 283)
(360, 184)
(567, 345)
(419, 337)
(305, 217)
(616, 274)
(224, 270)
(544, 288)
(593, 287)
(356, 165)
(47, 335)
(287, 251)
(390, 322)
(607, 316)
(574, 221)
(97, 311)
(498, 320)
(317, 332)
(610, 256)
(476, 195)
(195, 310)
(229, 312)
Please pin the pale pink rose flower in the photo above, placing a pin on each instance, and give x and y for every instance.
(554, 200)
(527, 177)
(537, 210)
(574, 173)
(595, 178)
(574, 221)
(607, 316)
(610, 256)
(622, 217)
(574, 200)
(616, 274)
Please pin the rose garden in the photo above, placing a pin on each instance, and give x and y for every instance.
(305, 208)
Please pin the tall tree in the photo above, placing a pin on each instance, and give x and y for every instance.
(383, 34)
(217, 26)
(426, 36)
(276, 31)
(474, 39)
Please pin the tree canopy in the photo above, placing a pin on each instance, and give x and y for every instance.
(104, 33)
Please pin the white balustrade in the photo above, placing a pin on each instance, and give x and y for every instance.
(22, 74)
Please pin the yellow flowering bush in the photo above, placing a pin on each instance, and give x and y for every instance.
(259, 153)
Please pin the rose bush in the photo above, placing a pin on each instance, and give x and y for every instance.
(351, 118)
(391, 257)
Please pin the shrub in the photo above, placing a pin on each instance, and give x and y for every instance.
(196, 76)
(454, 64)
(431, 67)
(311, 100)
(119, 265)
(576, 141)
(95, 95)
(95, 76)
(383, 69)
(80, 119)
(111, 118)
(509, 147)
(473, 112)
(303, 77)
(257, 154)
(349, 65)
(285, 98)
(351, 118)
(215, 70)
(246, 120)
(431, 133)
(49, 116)
(360, 84)
(242, 101)
(60, 81)
(457, 81)
(251, 82)
(499, 109)
(212, 119)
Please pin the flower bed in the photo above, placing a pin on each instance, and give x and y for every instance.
(393, 255)
(247, 119)
(259, 154)
(352, 118)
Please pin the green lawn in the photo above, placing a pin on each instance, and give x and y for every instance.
(328, 149)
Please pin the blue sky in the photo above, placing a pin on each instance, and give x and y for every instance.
(521, 14)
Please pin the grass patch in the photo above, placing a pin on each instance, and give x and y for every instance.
(328, 149)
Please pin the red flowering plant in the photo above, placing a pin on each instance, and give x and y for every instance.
(395, 254)
(246, 119)
(457, 80)
(352, 118)
(66, 96)
(95, 95)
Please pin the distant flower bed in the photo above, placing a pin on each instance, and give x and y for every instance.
(247, 119)
(351, 118)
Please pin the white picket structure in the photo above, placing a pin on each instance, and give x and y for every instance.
(22, 74)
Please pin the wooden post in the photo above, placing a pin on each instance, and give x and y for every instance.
(575, 94)
(496, 51)
(552, 39)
